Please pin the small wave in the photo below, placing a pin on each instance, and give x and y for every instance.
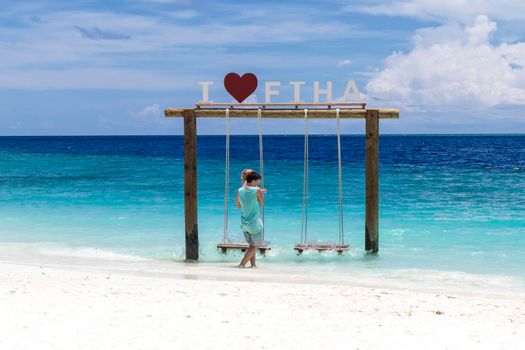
(92, 253)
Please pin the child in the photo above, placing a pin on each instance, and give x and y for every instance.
(249, 198)
(245, 173)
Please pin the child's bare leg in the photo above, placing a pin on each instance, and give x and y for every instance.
(247, 256)
(252, 260)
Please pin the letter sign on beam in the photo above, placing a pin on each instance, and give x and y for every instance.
(351, 92)
(297, 91)
(268, 92)
(205, 89)
(327, 92)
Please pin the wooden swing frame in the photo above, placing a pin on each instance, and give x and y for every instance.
(285, 111)
(321, 247)
(226, 246)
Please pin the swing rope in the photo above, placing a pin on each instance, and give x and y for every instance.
(261, 161)
(227, 176)
(340, 173)
(304, 208)
(227, 170)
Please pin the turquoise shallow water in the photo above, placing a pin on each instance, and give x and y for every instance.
(447, 203)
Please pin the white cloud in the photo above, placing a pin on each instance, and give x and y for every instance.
(94, 78)
(344, 62)
(152, 111)
(100, 34)
(151, 116)
(150, 34)
(169, 1)
(58, 53)
(185, 14)
(459, 66)
(446, 10)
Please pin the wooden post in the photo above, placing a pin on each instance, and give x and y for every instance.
(372, 182)
(190, 185)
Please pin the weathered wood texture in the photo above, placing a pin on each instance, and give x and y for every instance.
(190, 185)
(355, 113)
(224, 247)
(372, 182)
(286, 104)
(321, 247)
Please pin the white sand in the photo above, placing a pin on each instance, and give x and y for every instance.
(73, 303)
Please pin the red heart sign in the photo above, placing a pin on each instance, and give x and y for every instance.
(240, 87)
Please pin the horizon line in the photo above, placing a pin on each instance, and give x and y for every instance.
(294, 134)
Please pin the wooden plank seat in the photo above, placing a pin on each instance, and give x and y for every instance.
(321, 247)
(225, 246)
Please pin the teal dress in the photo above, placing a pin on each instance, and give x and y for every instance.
(251, 221)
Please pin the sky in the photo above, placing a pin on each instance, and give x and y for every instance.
(111, 67)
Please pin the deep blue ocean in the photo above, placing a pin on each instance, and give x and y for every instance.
(447, 203)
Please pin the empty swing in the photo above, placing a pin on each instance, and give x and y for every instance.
(226, 243)
(340, 247)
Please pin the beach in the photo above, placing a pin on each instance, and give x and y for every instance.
(53, 302)
(223, 175)
(92, 257)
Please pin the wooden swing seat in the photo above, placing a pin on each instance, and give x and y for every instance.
(225, 246)
(321, 247)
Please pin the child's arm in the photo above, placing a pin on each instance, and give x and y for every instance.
(237, 202)
(260, 196)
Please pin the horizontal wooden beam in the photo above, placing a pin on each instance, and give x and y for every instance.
(351, 113)
(285, 104)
